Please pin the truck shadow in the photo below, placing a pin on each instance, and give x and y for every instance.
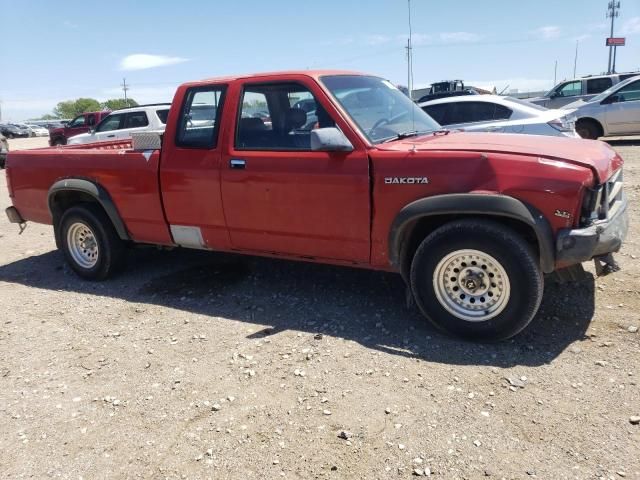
(363, 306)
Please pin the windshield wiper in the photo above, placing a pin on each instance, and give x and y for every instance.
(401, 135)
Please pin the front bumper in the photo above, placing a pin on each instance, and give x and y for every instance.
(601, 238)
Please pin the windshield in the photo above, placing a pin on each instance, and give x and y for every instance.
(381, 111)
(610, 90)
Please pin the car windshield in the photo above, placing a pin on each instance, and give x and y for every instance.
(610, 90)
(379, 109)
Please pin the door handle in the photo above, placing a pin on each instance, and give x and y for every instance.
(237, 164)
(111, 136)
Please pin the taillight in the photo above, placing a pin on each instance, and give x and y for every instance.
(563, 124)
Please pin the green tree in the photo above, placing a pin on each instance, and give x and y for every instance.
(118, 103)
(71, 108)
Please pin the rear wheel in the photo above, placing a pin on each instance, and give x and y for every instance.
(477, 279)
(588, 129)
(89, 242)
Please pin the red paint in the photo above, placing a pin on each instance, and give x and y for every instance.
(62, 134)
(319, 206)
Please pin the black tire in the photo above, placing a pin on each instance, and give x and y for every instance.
(11, 135)
(59, 141)
(110, 253)
(514, 256)
(588, 129)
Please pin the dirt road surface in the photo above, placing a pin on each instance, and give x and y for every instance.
(195, 365)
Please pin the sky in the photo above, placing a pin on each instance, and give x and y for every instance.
(54, 51)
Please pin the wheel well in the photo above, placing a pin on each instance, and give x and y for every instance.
(418, 230)
(594, 122)
(60, 202)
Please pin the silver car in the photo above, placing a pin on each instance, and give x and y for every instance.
(615, 111)
(493, 113)
(584, 88)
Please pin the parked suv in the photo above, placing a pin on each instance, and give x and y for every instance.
(80, 124)
(583, 88)
(121, 124)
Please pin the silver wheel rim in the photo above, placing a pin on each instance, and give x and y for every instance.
(83, 245)
(471, 285)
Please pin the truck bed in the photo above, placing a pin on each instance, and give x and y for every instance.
(31, 173)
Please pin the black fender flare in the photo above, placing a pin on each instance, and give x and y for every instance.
(473, 204)
(94, 190)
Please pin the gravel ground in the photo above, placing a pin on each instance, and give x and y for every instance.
(195, 365)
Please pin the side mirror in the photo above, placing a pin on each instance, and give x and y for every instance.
(330, 139)
(610, 99)
(554, 95)
(92, 130)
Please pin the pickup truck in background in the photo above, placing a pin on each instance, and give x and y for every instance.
(80, 124)
(120, 124)
(361, 177)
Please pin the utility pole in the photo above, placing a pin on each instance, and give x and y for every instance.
(409, 48)
(124, 89)
(613, 67)
(555, 73)
(613, 11)
(575, 60)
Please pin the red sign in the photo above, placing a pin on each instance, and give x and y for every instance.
(615, 41)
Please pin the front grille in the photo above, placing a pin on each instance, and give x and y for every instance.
(603, 201)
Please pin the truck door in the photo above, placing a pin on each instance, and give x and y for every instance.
(190, 169)
(282, 197)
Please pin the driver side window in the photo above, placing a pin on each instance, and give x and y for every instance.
(630, 93)
(77, 122)
(112, 122)
(570, 89)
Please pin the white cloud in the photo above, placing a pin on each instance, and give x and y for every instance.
(631, 26)
(374, 40)
(548, 32)
(142, 61)
(459, 37)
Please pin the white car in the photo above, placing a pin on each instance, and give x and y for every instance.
(493, 113)
(615, 111)
(37, 130)
(120, 124)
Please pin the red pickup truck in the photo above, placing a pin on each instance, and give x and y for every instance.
(80, 124)
(361, 178)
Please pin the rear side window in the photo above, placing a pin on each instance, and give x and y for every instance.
(199, 119)
(628, 75)
(136, 120)
(438, 112)
(598, 85)
(501, 112)
(162, 115)
(470, 112)
(112, 122)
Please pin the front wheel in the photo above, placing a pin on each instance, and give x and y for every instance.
(89, 242)
(477, 279)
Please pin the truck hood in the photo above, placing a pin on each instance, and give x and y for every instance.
(593, 154)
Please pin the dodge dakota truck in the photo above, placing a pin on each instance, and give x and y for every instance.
(361, 177)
